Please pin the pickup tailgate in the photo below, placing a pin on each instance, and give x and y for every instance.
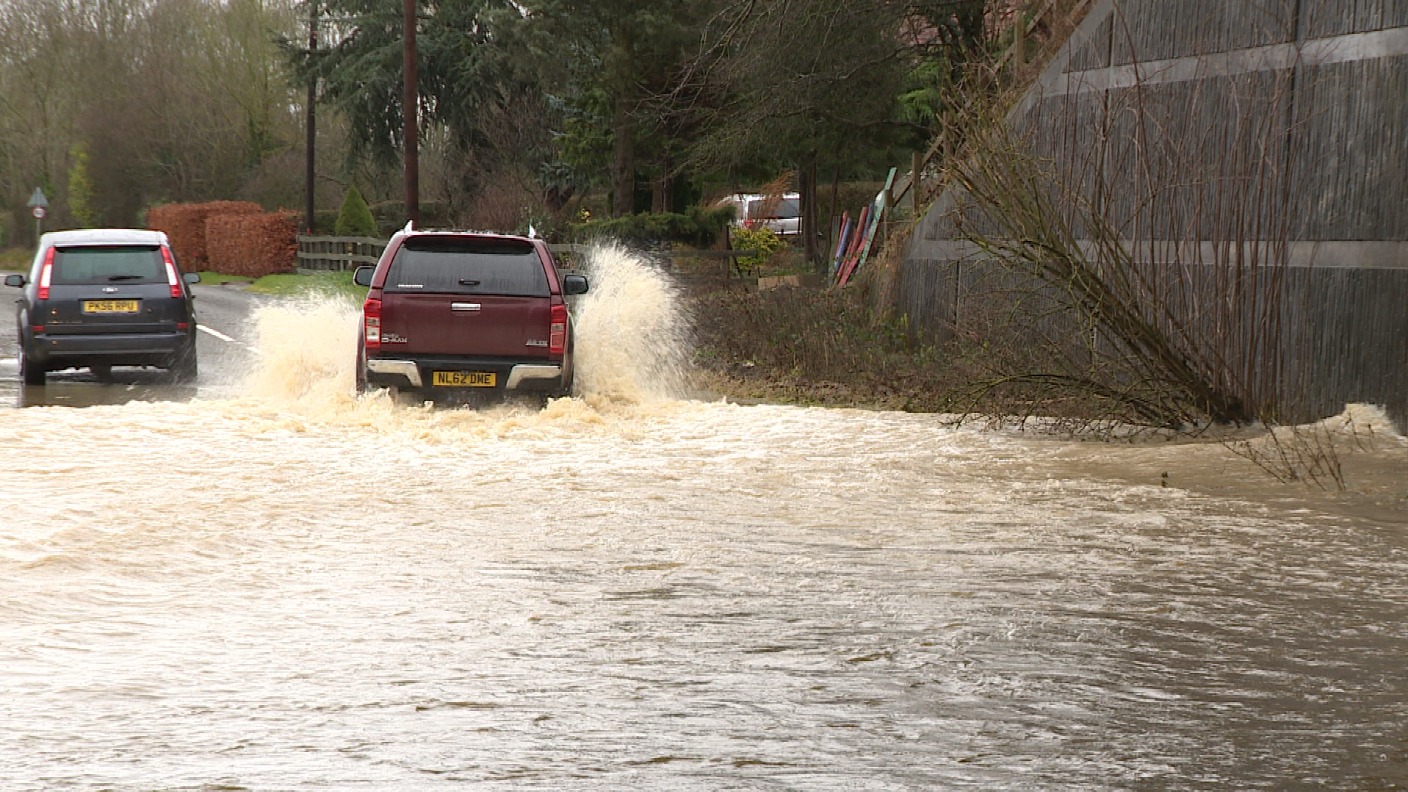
(465, 325)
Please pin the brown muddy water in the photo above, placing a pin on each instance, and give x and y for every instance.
(272, 585)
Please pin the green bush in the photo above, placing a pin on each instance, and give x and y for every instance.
(355, 219)
(762, 241)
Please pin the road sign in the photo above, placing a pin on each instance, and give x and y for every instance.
(38, 201)
(38, 213)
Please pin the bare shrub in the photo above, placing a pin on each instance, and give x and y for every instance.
(1311, 454)
(500, 205)
(823, 344)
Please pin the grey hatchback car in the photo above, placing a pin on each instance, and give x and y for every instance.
(105, 297)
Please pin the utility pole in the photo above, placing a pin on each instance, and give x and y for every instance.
(309, 177)
(410, 107)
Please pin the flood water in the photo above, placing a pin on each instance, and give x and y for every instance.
(272, 585)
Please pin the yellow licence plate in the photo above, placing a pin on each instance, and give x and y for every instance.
(465, 379)
(110, 306)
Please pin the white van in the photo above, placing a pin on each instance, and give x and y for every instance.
(781, 213)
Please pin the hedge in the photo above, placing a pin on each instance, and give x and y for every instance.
(253, 245)
(185, 225)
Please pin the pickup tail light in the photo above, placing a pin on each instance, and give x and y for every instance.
(371, 324)
(172, 278)
(46, 275)
(557, 331)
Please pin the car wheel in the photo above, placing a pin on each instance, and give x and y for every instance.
(360, 374)
(186, 367)
(32, 373)
(102, 371)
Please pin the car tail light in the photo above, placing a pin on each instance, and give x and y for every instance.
(171, 276)
(557, 330)
(46, 275)
(371, 324)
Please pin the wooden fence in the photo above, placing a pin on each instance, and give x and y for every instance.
(337, 254)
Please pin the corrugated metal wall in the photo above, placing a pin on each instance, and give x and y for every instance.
(1234, 121)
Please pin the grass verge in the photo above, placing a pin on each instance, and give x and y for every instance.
(15, 259)
(317, 284)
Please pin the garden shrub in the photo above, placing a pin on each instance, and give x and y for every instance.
(355, 219)
(762, 241)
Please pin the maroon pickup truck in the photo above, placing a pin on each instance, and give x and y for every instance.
(454, 311)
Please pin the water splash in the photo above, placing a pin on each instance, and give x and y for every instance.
(632, 331)
(307, 352)
(632, 344)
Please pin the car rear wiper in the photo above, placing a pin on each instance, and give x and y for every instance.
(125, 277)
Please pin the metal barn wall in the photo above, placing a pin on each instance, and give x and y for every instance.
(1236, 122)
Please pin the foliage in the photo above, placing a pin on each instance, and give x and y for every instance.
(167, 100)
(762, 241)
(80, 190)
(614, 65)
(191, 100)
(355, 217)
(697, 227)
(362, 73)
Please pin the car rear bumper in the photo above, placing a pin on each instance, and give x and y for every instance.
(119, 349)
(511, 375)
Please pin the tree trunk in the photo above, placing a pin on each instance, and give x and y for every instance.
(662, 190)
(623, 165)
(807, 187)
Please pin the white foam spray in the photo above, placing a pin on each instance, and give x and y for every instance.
(307, 352)
(632, 331)
(631, 342)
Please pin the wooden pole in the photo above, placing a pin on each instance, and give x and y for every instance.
(410, 106)
(311, 135)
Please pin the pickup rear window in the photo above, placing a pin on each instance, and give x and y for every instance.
(109, 264)
(453, 265)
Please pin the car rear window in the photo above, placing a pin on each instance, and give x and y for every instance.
(109, 264)
(468, 266)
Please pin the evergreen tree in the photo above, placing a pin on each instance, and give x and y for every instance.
(355, 217)
(80, 190)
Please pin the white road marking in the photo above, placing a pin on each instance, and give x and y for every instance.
(225, 338)
(217, 334)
